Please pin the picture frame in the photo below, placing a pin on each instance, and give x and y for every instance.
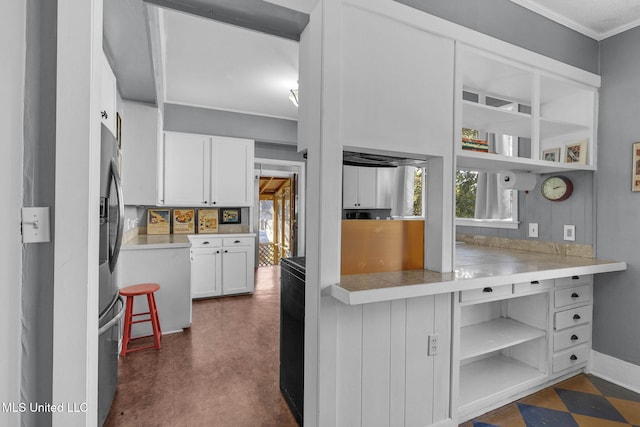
(576, 152)
(207, 221)
(184, 221)
(635, 167)
(551, 154)
(230, 216)
(158, 221)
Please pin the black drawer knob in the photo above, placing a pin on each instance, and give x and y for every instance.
(576, 317)
(575, 277)
(574, 295)
(574, 337)
(535, 282)
(573, 357)
(487, 290)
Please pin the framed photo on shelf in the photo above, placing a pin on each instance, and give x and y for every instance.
(230, 216)
(576, 152)
(635, 182)
(551, 155)
(158, 221)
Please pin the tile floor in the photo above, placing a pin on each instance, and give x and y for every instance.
(580, 401)
(223, 371)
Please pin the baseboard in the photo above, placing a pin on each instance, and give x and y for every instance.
(614, 370)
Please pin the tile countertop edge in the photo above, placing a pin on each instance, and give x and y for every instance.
(395, 292)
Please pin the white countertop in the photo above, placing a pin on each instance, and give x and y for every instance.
(153, 241)
(476, 267)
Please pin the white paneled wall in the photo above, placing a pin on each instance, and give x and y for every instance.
(384, 375)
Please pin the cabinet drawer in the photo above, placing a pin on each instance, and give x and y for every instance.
(570, 337)
(238, 241)
(570, 296)
(533, 285)
(483, 293)
(571, 357)
(206, 243)
(585, 279)
(575, 316)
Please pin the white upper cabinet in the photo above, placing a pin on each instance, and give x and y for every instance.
(231, 171)
(187, 159)
(108, 96)
(367, 187)
(525, 118)
(204, 170)
(395, 86)
(141, 132)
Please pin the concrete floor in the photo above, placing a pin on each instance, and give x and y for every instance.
(223, 371)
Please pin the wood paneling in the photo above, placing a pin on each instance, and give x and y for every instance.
(372, 246)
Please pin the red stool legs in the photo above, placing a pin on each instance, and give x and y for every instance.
(130, 292)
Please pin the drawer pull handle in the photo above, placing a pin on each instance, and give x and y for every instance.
(576, 317)
(487, 290)
(535, 282)
(575, 295)
(573, 357)
(574, 337)
(575, 277)
(205, 243)
(237, 241)
(226, 252)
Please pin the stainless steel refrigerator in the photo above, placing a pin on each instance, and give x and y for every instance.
(111, 304)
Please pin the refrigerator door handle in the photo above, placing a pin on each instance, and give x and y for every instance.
(113, 259)
(115, 319)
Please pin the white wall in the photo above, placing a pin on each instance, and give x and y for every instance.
(12, 48)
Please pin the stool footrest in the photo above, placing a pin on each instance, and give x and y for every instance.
(139, 338)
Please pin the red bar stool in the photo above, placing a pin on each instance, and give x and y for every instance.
(130, 292)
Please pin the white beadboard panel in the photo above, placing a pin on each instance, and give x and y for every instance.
(376, 364)
(349, 366)
(419, 388)
(397, 382)
(442, 361)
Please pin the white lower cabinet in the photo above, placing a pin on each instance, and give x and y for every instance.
(221, 265)
(512, 344)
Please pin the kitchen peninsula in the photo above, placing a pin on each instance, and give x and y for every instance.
(503, 324)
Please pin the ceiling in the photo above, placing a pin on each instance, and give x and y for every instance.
(597, 19)
(225, 67)
(242, 55)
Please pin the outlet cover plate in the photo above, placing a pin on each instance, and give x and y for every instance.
(533, 229)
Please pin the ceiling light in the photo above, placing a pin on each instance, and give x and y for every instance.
(293, 96)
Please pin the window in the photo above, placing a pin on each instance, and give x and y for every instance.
(480, 200)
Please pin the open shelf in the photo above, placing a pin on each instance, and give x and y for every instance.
(552, 127)
(496, 120)
(493, 375)
(473, 160)
(497, 334)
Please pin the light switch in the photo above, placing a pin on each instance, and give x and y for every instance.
(533, 229)
(35, 225)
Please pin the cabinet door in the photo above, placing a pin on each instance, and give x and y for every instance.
(186, 166)
(237, 270)
(141, 124)
(108, 96)
(206, 272)
(367, 188)
(349, 187)
(231, 171)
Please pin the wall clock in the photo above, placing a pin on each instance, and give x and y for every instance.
(557, 188)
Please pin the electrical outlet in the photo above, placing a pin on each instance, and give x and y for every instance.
(433, 345)
(570, 232)
(533, 229)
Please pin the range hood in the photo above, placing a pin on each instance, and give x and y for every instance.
(351, 158)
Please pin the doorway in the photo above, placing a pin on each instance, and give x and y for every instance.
(277, 213)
